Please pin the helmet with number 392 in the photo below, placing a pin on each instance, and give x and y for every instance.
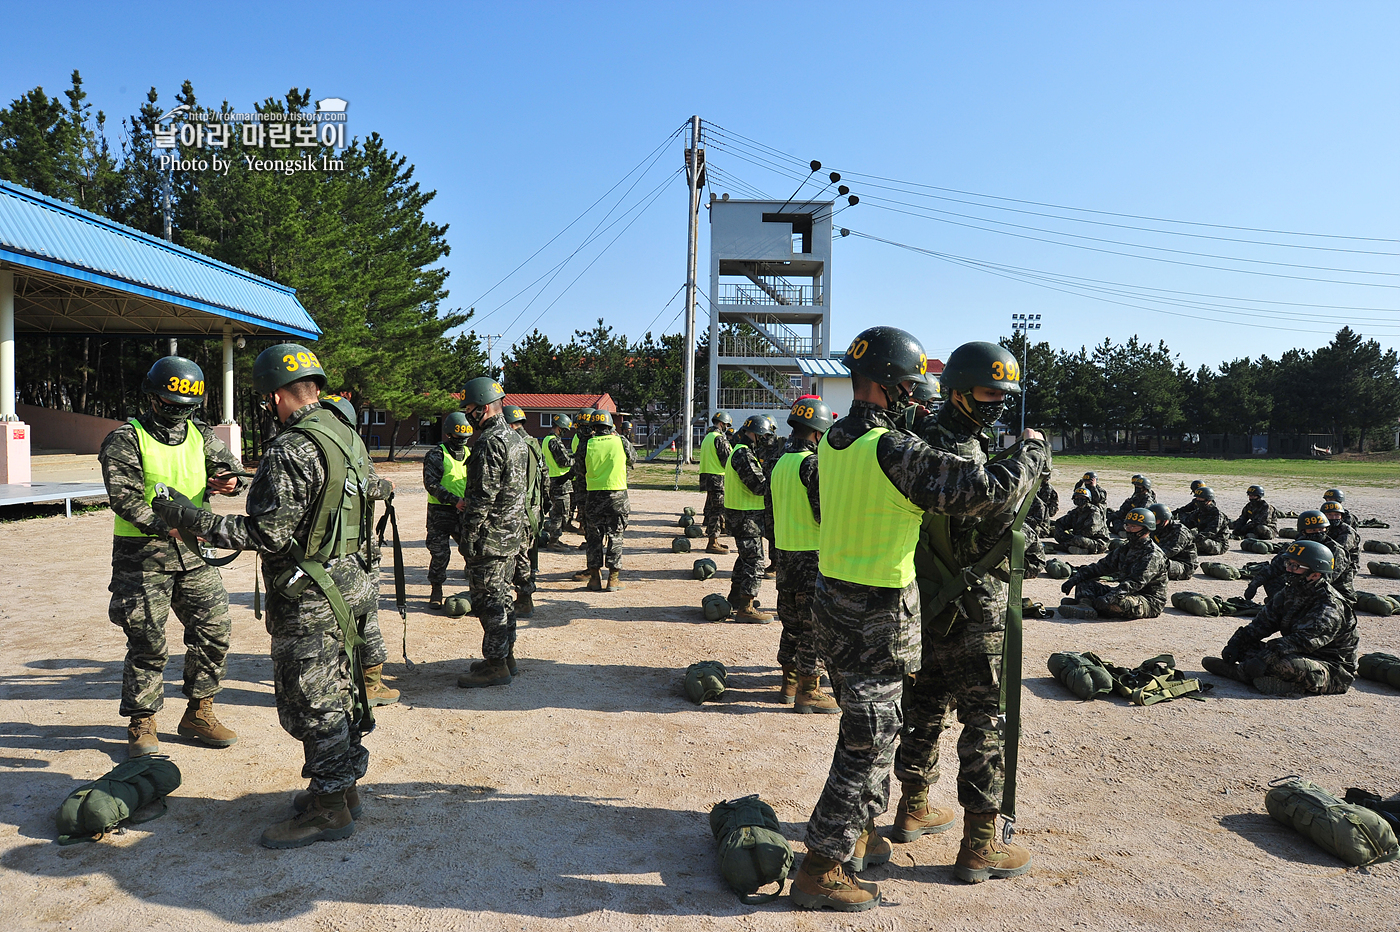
(987, 365)
(175, 380)
(284, 364)
(812, 413)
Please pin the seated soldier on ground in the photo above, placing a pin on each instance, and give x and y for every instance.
(1340, 497)
(1341, 532)
(1178, 543)
(1083, 529)
(1312, 525)
(1258, 520)
(1097, 494)
(1138, 569)
(1038, 525)
(1142, 497)
(1316, 650)
(1189, 509)
(1211, 527)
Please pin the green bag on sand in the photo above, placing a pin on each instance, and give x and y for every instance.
(1379, 546)
(716, 607)
(1195, 603)
(694, 530)
(1250, 545)
(1085, 674)
(1376, 604)
(1057, 569)
(1357, 835)
(94, 809)
(752, 850)
(687, 510)
(680, 545)
(1220, 571)
(457, 605)
(1289, 532)
(1237, 605)
(1383, 668)
(1288, 514)
(704, 569)
(1250, 570)
(685, 521)
(705, 680)
(1388, 570)
(1372, 522)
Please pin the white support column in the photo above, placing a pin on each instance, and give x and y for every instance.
(228, 431)
(14, 433)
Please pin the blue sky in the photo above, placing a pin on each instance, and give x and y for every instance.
(1248, 120)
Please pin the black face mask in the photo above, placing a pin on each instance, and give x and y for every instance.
(169, 414)
(1300, 581)
(985, 413)
(1137, 535)
(455, 444)
(477, 416)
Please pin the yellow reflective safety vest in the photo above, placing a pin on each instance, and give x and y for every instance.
(709, 456)
(180, 467)
(869, 529)
(555, 470)
(737, 495)
(454, 473)
(794, 525)
(605, 463)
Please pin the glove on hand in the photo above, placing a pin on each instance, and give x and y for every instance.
(178, 512)
(1068, 585)
(1250, 590)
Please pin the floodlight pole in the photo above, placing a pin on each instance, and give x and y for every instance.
(694, 170)
(1024, 323)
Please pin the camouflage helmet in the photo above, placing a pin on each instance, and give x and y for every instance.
(341, 406)
(175, 380)
(1204, 494)
(1333, 510)
(1334, 495)
(812, 413)
(1312, 521)
(887, 356)
(602, 419)
(561, 421)
(722, 417)
(760, 425)
(284, 364)
(988, 365)
(1141, 516)
(481, 391)
(513, 414)
(1161, 512)
(1255, 490)
(455, 427)
(1196, 484)
(1313, 555)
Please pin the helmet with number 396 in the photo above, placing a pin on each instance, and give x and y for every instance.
(812, 413)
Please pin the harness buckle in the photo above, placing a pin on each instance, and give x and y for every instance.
(1008, 828)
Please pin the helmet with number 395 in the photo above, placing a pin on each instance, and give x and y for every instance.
(284, 364)
(175, 380)
(812, 413)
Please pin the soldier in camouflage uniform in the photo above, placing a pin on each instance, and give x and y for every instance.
(1177, 542)
(1315, 652)
(1258, 520)
(1341, 532)
(1338, 496)
(313, 664)
(528, 558)
(1039, 522)
(602, 462)
(1142, 497)
(1098, 495)
(962, 643)
(875, 482)
(1212, 528)
(714, 454)
(745, 485)
(1188, 510)
(494, 527)
(1084, 529)
(558, 463)
(444, 476)
(1312, 525)
(1139, 571)
(582, 423)
(153, 571)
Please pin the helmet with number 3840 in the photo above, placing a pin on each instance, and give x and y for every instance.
(175, 380)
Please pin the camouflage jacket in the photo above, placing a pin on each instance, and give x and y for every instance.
(1208, 523)
(1313, 621)
(1045, 506)
(560, 449)
(1185, 512)
(1177, 543)
(1255, 514)
(494, 523)
(1087, 520)
(1275, 573)
(1097, 494)
(1139, 499)
(120, 457)
(1348, 537)
(433, 472)
(1138, 568)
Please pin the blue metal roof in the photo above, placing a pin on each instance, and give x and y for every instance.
(42, 233)
(822, 368)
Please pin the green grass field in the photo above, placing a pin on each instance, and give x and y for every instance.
(1324, 472)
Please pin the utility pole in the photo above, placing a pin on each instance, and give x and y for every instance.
(695, 174)
(491, 339)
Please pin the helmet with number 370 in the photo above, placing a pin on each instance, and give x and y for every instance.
(284, 364)
(811, 412)
(175, 380)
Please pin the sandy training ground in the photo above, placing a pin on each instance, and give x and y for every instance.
(577, 797)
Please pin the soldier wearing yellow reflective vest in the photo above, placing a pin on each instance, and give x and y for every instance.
(745, 485)
(558, 461)
(714, 455)
(152, 569)
(602, 461)
(796, 539)
(445, 478)
(582, 422)
(876, 481)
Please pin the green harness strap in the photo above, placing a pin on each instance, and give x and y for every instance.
(391, 518)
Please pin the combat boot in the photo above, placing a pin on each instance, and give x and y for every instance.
(435, 597)
(746, 611)
(525, 606)
(595, 580)
(715, 546)
(581, 575)
(492, 673)
(981, 857)
(479, 665)
(871, 849)
(824, 883)
(916, 817)
(614, 580)
(810, 697)
(788, 691)
(326, 819)
(378, 693)
(1273, 686)
(302, 801)
(204, 726)
(141, 736)
(1223, 668)
(1078, 611)
(770, 571)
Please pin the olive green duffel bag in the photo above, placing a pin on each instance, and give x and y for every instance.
(1387, 570)
(1379, 546)
(752, 850)
(704, 569)
(457, 605)
(1357, 835)
(685, 521)
(1057, 569)
(705, 680)
(94, 809)
(694, 530)
(680, 545)
(716, 607)
(1376, 604)
(1083, 674)
(1195, 603)
(1220, 571)
(1383, 668)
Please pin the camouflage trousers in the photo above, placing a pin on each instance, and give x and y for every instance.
(1209, 547)
(313, 679)
(141, 602)
(1311, 676)
(580, 497)
(1178, 571)
(713, 487)
(1258, 532)
(1116, 604)
(868, 637)
(561, 502)
(493, 604)
(797, 581)
(604, 528)
(523, 575)
(747, 528)
(1087, 544)
(444, 527)
(373, 653)
(961, 671)
(1035, 556)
